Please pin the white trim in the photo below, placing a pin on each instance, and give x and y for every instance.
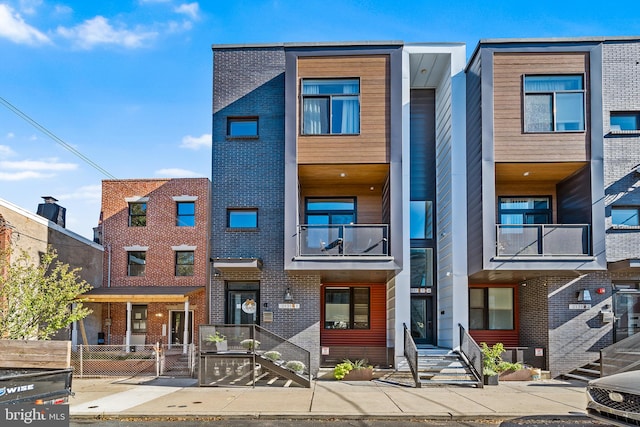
(184, 198)
(184, 248)
(136, 199)
(136, 248)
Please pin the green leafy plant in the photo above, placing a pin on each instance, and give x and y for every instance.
(273, 355)
(491, 358)
(505, 366)
(215, 338)
(342, 369)
(295, 365)
(250, 344)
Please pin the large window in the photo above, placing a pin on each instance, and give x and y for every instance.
(137, 214)
(186, 214)
(184, 263)
(524, 210)
(242, 218)
(553, 103)
(242, 127)
(136, 264)
(330, 106)
(421, 225)
(346, 308)
(491, 308)
(625, 216)
(139, 319)
(621, 121)
(422, 268)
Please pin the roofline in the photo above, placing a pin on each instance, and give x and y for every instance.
(548, 40)
(307, 44)
(52, 225)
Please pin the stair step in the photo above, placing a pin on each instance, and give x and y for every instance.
(577, 377)
(588, 371)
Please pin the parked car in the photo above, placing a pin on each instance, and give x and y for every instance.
(615, 399)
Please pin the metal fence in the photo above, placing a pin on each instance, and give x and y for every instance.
(622, 356)
(411, 354)
(137, 360)
(472, 353)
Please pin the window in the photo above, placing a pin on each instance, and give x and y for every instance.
(186, 214)
(137, 214)
(625, 215)
(242, 127)
(422, 268)
(242, 218)
(346, 308)
(524, 210)
(139, 319)
(330, 106)
(620, 121)
(553, 103)
(491, 308)
(136, 263)
(184, 263)
(421, 221)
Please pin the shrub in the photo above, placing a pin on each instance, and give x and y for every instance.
(273, 355)
(296, 366)
(342, 369)
(250, 344)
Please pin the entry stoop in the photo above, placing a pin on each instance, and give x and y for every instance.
(436, 367)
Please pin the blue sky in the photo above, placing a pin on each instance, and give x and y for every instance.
(128, 83)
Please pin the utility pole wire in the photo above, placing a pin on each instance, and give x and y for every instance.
(51, 135)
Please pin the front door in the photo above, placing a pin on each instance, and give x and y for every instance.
(422, 320)
(242, 307)
(177, 327)
(626, 311)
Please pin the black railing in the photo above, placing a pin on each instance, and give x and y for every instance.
(411, 354)
(622, 356)
(471, 351)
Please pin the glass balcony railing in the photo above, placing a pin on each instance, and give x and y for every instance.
(548, 240)
(343, 240)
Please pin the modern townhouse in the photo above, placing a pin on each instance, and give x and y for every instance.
(156, 260)
(338, 195)
(23, 230)
(552, 133)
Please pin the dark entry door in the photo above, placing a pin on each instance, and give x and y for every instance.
(242, 307)
(422, 320)
(626, 311)
(177, 327)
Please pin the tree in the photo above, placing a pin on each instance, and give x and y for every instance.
(37, 300)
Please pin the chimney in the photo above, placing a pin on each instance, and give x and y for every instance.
(52, 211)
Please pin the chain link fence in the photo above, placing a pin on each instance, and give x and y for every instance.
(137, 360)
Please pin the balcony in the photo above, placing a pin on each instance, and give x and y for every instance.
(351, 240)
(543, 240)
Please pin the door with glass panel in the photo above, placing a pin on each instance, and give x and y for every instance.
(422, 320)
(177, 327)
(626, 310)
(243, 304)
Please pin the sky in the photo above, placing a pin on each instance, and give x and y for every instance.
(93, 90)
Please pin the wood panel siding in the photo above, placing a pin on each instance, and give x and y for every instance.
(375, 336)
(511, 143)
(368, 203)
(372, 144)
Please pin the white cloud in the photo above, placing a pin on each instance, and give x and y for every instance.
(196, 142)
(61, 9)
(98, 31)
(154, 1)
(29, 6)
(38, 165)
(21, 176)
(176, 173)
(190, 9)
(5, 150)
(88, 192)
(13, 27)
(10, 135)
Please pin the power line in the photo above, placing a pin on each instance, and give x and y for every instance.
(51, 135)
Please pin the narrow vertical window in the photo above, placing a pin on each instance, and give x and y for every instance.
(184, 263)
(186, 214)
(137, 214)
(136, 264)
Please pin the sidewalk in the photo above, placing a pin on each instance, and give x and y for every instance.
(181, 397)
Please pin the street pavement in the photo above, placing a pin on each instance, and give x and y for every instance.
(326, 399)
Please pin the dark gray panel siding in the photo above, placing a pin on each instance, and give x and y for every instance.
(422, 141)
(574, 198)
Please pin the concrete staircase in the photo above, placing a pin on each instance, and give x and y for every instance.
(585, 373)
(436, 367)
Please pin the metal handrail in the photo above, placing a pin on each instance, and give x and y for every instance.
(471, 351)
(357, 240)
(411, 353)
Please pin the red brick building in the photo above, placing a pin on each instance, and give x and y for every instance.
(156, 260)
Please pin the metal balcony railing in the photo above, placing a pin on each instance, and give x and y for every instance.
(548, 240)
(343, 240)
(622, 356)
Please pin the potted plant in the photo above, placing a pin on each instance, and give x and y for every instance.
(219, 340)
(491, 358)
(296, 366)
(358, 370)
(272, 355)
(250, 344)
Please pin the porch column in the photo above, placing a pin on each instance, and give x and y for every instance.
(185, 335)
(127, 338)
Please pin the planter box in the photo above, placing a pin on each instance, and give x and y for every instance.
(519, 375)
(364, 374)
(491, 379)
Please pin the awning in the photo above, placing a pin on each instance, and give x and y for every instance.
(142, 294)
(237, 264)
